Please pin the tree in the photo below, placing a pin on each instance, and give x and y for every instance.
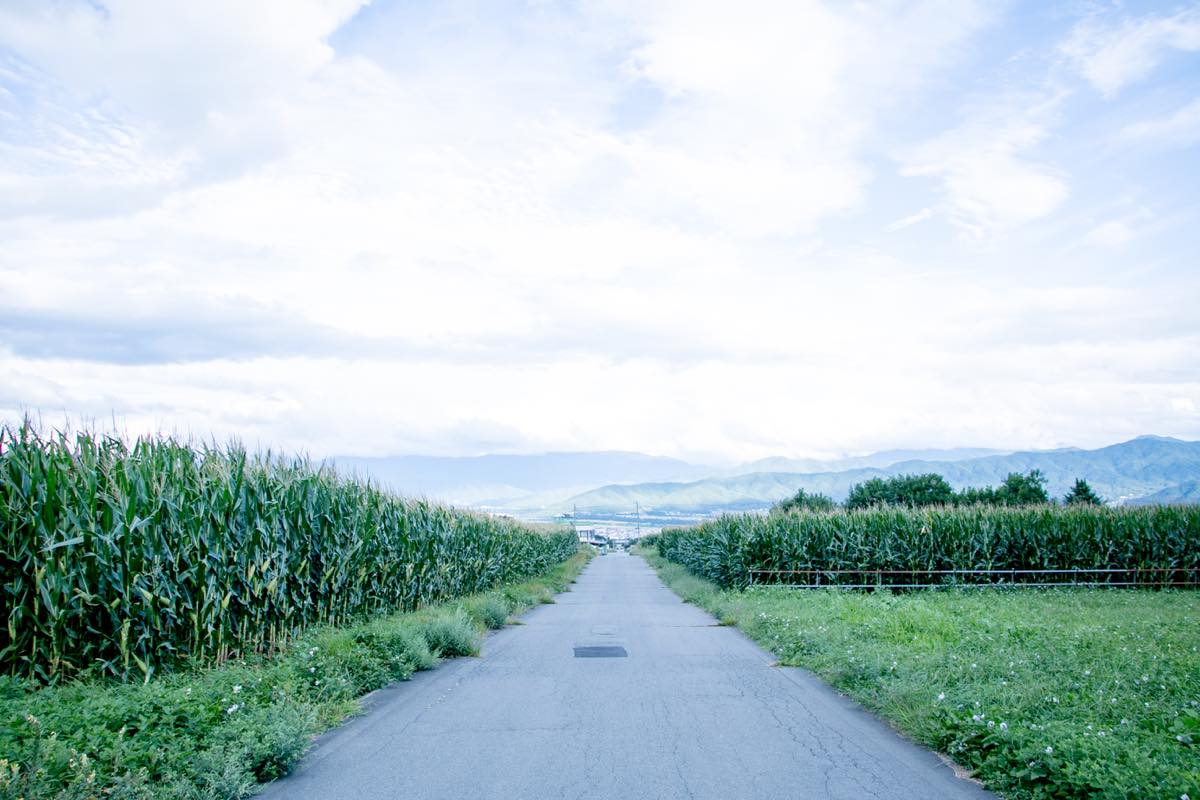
(1023, 490)
(974, 496)
(804, 501)
(873, 492)
(1082, 495)
(926, 490)
(913, 491)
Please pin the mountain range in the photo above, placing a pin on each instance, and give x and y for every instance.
(507, 481)
(1146, 469)
(884, 458)
(1188, 492)
(1122, 472)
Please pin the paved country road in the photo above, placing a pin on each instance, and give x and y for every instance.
(693, 711)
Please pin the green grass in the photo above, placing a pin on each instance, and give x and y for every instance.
(214, 734)
(1064, 693)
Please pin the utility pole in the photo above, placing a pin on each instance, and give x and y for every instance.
(638, 506)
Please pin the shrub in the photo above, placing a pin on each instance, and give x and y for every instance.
(268, 741)
(489, 611)
(450, 635)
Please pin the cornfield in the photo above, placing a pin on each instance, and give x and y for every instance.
(121, 560)
(731, 549)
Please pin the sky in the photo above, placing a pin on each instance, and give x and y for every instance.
(699, 229)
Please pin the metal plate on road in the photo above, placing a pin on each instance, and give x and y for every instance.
(600, 651)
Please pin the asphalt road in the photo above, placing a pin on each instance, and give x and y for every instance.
(693, 710)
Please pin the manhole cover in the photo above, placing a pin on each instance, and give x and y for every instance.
(600, 651)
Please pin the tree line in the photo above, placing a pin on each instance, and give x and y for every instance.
(931, 489)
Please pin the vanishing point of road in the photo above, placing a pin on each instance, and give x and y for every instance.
(553, 710)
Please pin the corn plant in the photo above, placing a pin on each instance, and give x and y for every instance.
(122, 559)
(931, 541)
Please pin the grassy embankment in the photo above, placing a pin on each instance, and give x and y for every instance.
(181, 620)
(1057, 693)
(215, 733)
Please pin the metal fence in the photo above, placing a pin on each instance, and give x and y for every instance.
(1134, 577)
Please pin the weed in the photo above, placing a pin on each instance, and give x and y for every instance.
(450, 635)
(489, 611)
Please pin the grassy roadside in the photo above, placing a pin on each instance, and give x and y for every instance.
(1043, 694)
(215, 734)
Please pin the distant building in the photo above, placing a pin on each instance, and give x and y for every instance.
(592, 536)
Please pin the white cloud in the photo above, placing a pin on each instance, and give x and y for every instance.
(135, 97)
(820, 393)
(991, 180)
(910, 220)
(1113, 233)
(175, 64)
(1181, 129)
(768, 109)
(453, 242)
(1114, 54)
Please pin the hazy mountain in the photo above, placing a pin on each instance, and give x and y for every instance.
(538, 481)
(740, 491)
(556, 480)
(503, 480)
(884, 458)
(1131, 469)
(1179, 494)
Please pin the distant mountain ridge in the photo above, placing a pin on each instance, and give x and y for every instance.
(1187, 492)
(1118, 472)
(499, 480)
(1123, 472)
(884, 458)
(538, 481)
